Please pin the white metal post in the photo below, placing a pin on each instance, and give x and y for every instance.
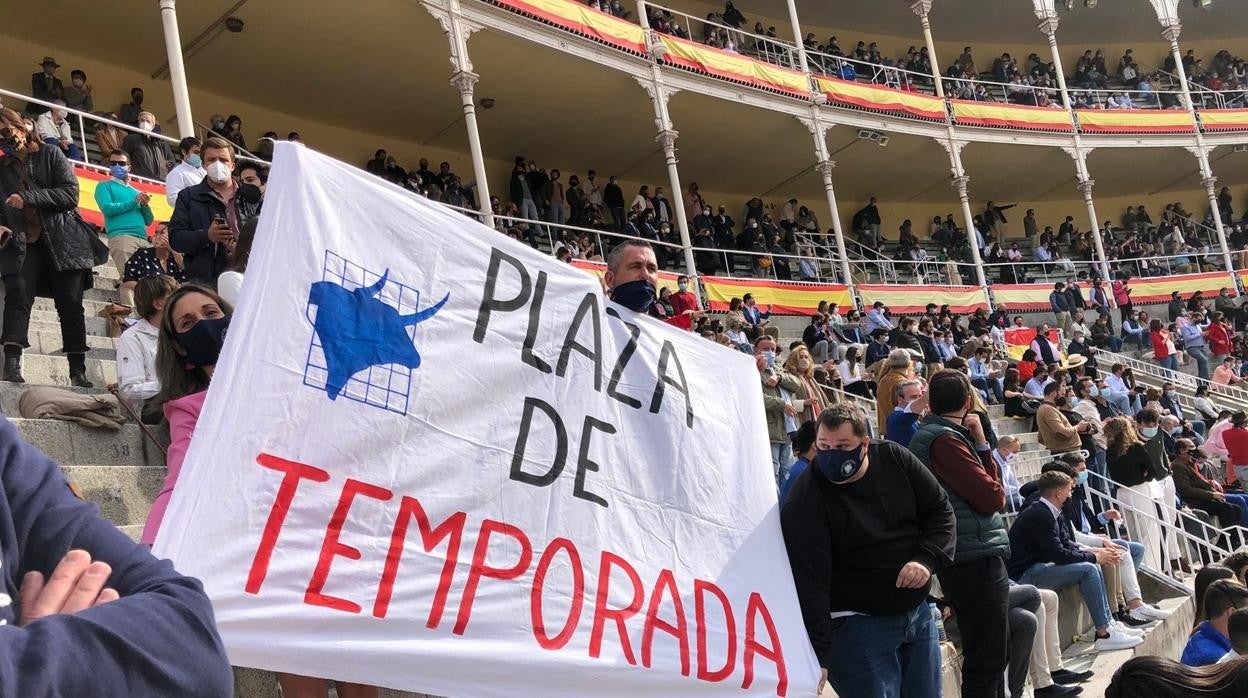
(464, 80)
(177, 70)
(825, 165)
(666, 137)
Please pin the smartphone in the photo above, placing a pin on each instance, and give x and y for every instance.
(218, 219)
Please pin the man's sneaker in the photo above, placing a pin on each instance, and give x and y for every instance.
(1149, 612)
(1117, 640)
(1068, 677)
(1057, 690)
(1136, 618)
(1125, 629)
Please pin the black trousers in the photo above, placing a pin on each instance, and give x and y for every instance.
(1024, 602)
(40, 277)
(979, 593)
(16, 330)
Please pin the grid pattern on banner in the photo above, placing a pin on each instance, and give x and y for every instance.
(384, 386)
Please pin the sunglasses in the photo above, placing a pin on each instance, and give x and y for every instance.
(123, 163)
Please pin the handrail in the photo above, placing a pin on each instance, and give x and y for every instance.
(765, 48)
(874, 73)
(88, 116)
(240, 151)
(1180, 379)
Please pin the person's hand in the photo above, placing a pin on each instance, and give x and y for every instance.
(823, 680)
(143, 198)
(1112, 515)
(220, 232)
(771, 381)
(1218, 496)
(76, 584)
(1082, 427)
(972, 423)
(789, 409)
(913, 576)
(15, 201)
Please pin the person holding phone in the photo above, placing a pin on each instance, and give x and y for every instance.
(208, 216)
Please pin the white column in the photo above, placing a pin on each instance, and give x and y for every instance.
(798, 39)
(922, 8)
(960, 182)
(1048, 24)
(177, 70)
(659, 94)
(1171, 28)
(825, 165)
(1086, 184)
(465, 80)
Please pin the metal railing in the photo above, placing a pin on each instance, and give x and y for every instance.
(96, 120)
(885, 74)
(711, 31)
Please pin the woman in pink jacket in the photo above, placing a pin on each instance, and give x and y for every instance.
(192, 330)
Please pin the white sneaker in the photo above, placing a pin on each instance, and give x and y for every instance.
(1126, 629)
(1147, 612)
(1142, 616)
(1117, 641)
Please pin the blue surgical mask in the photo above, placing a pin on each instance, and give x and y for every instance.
(1148, 432)
(119, 172)
(1170, 394)
(194, 160)
(1083, 478)
(771, 358)
(1094, 391)
(1072, 401)
(839, 466)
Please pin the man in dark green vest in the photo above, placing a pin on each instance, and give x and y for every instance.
(951, 442)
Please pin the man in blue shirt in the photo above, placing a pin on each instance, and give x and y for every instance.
(96, 614)
(1211, 641)
(804, 447)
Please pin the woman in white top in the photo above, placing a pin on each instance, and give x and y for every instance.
(231, 281)
(851, 375)
(137, 380)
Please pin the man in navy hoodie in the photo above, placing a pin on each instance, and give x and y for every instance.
(84, 611)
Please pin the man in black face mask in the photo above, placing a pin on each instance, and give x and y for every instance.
(951, 441)
(862, 568)
(632, 281)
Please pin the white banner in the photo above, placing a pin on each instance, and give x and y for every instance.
(435, 459)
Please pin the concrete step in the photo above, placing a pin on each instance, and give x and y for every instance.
(90, 307)
(124, 493)
(73, 444)
(11, 393)
(46, 369)
(49, 342)
(43, 320)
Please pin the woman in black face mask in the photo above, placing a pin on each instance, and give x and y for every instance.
(192, 331)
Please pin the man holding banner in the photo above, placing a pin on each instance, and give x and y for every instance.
(584, 531)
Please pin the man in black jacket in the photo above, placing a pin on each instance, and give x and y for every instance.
(1043, 553)
(49, 250)
(208, 216)
(46, 86)
(866, 526)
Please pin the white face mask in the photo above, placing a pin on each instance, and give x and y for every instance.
(146, 125)
(218, 172)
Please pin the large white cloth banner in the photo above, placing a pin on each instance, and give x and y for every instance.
(435, 459)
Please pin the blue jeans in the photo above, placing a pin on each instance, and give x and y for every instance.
(781, 460)
(73, 152)
(990, 386)
(1171, 362)
(1201, 356)
(1113, 343)
(886, 656)
(1141, 341)
(1087, 575)
(1127, 403)
(1242, 501)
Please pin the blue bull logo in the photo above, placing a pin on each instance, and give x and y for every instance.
(358, 330)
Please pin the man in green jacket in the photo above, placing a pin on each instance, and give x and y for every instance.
(782, 403)
(951, 442)
(127, 214)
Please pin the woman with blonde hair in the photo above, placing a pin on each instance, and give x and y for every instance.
(1128, 465)
(898, 367)
(801, 366)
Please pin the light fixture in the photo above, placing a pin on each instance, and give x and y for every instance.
(1090, 4)
(1202, 3)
